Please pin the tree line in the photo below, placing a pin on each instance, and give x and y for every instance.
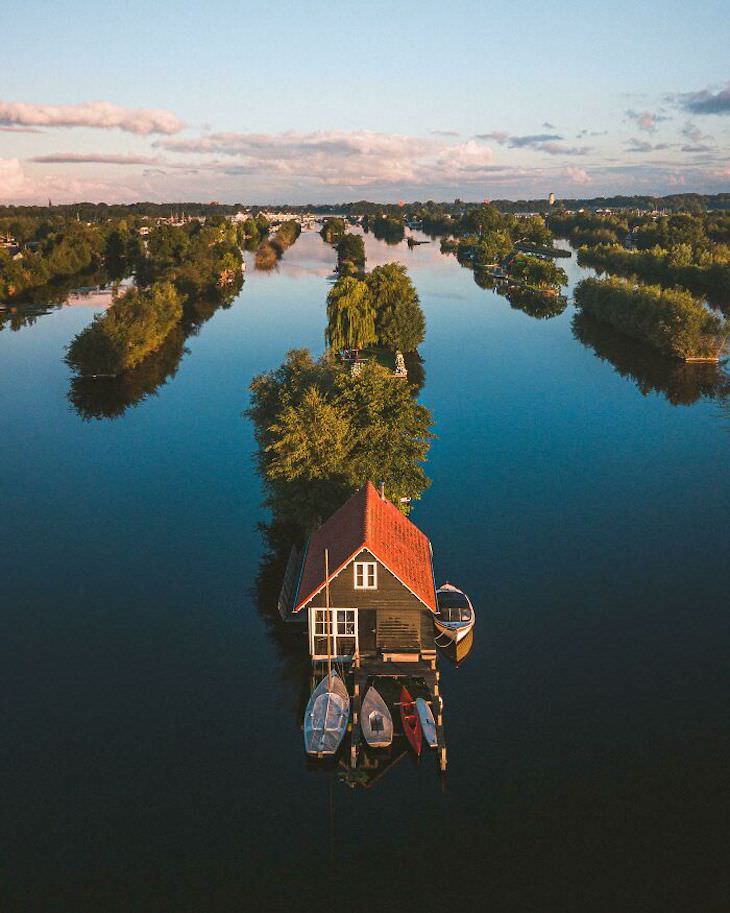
(36, 253)
(710, 278)
(99, 212)
(669, 320)
(179, 267)
(271, 251)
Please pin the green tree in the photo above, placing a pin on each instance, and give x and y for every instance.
(312, 439)
(323, 432)
(484, 219)
(333, 229)
(390, 431)
(534, 230)
(537, 272)
(670, 320)
(350, 315)
(135, 325)
(492, 248)
(399, 320)
(351, 248)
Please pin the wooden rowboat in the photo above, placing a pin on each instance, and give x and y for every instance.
(375, 720)
(326, 716)
(456, 616)
(409, 718)
(428, 724)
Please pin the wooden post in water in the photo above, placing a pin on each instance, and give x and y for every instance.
(329, 618)
(355, 729)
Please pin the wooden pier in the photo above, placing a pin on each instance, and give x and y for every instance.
(424, 670)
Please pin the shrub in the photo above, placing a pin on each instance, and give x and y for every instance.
(670, 320)
(135, 325)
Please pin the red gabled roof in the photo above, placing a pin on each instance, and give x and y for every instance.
(368, 521)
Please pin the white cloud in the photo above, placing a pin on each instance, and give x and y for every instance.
(19, 186)
(100, 114)
(12, 178)
(576, 175)
(357, 159)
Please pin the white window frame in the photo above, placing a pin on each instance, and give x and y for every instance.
(367, 567)
(338, 616)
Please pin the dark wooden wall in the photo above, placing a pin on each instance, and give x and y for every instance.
(398, 611)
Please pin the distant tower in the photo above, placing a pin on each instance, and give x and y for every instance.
(551, 199)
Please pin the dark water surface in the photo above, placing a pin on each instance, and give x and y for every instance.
(151, 756)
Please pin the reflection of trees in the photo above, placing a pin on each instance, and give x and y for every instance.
(533, 303)
(416, 371)
(680, 383)
(110, 397)
(392, 232)
(484, 280)
(44, 299)
(19, 316)
(290, 640)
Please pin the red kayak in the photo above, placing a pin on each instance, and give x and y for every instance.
(410, 721)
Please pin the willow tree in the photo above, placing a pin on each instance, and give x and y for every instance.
(350, 315)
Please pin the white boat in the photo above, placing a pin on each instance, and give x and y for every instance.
(328, 708)
(456, 616)
(326, 716)
(428, 724)
(375, 720)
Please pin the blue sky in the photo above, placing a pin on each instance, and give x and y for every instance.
(315, 101)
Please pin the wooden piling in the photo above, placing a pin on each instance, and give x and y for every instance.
(355, 729)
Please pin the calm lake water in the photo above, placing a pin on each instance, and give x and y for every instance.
(151, 755)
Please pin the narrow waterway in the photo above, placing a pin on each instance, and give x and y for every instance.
(151, 755)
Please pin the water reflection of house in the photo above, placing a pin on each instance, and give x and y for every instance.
(382, 593)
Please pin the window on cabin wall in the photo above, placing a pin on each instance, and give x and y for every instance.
(339, 627)
(366, 575)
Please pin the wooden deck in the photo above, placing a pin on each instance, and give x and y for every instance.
(422, 670)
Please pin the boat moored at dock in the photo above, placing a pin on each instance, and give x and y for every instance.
(410, 720)
(326, 717)
(328, 708)
(455, 617)
(428, 724)
(376, 721)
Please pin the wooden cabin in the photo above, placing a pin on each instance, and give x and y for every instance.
(381, 584)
